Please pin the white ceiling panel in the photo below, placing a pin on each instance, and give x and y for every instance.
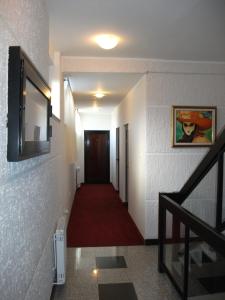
(114, 85)
(161, 29)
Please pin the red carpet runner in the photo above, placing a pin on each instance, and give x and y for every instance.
(98, 218)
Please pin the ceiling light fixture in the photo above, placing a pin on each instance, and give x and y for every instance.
(107, 41)
(99, 95)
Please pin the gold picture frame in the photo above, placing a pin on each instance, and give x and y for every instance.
(193, 126)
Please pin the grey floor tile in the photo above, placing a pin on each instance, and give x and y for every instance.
(110, 262)
(117, 291)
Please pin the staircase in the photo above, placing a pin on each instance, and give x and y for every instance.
(206, 270)
(192, 236)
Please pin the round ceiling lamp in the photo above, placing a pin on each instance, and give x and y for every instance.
(99, 95)
(107, 41)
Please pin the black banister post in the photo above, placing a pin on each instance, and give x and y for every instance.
(219, 204)
(161, 233)
(186, 262)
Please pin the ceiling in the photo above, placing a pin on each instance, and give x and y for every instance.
(159, 29)
(115, 86)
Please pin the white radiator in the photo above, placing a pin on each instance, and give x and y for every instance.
(60, 251)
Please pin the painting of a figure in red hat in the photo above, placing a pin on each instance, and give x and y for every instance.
(194, 126)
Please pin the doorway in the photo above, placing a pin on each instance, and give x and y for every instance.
(126, 162)
(118, 158)
(96, 156)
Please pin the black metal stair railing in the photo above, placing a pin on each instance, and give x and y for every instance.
(194, 250)
(203, 168)
(221, 227)
(202, 230)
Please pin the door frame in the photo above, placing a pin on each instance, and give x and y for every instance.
(118, 158)
(126, 135)
(107, 132)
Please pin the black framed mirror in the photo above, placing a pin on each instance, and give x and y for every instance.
(29, 108)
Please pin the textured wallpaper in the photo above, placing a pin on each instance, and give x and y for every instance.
(34, 192)
(168, 168)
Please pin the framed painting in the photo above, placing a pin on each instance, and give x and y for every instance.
(193, 126)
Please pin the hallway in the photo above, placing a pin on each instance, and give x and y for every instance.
(92, 274)
(62, 83)
(98, 218)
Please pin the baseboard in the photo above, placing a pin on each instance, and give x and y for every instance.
(149, 242)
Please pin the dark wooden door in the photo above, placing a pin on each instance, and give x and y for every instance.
(126, 162)
(118, 158)
(96, 156)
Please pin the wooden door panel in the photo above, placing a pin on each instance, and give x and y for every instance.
(118, 158)
(96, 145)
(126, 162)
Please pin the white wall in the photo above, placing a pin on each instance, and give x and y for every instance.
(163, 168)
(91, 121)
(34, 192)
(79, 148)
(95, 121)
(69, 123)
(131, 111)
(54, 75)
(178, 83)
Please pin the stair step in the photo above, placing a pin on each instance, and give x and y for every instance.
(218, 296)
(212, 269)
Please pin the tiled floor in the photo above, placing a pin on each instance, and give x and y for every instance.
(86, 282)
(110, 262)
(119, 291)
